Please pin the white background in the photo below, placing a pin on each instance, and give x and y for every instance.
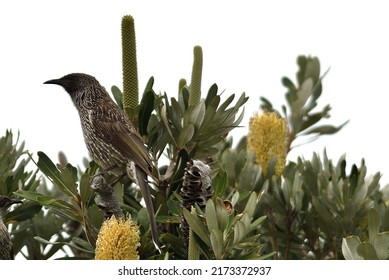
(248, 46)
(278, 269)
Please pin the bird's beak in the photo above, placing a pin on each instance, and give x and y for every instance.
(53, 82)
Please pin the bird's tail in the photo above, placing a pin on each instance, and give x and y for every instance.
(145, 190)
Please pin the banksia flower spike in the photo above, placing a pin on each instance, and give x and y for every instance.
(181, 85)
(117, 240)
(130, 67)
(197, 70)
(267, 139)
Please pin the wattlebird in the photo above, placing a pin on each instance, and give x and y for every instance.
(110, 137)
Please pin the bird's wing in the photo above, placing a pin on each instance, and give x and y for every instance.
(112, 125)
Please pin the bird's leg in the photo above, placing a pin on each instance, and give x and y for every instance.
(113, 183)
(106, 170)
(102, 172)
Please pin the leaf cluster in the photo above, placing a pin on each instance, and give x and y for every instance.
(375, 248)
(70, 209)
(301, 100)
(311, 208)
(229, 235)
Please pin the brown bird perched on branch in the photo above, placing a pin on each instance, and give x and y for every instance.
(110, 137)
(6, 252)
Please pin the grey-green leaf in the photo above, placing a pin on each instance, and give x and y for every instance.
(186, 135)
(367, 251)
(381, 245)
(210, 215)
(197, 226)
(349, 248)
(216, 237)
(374, 224)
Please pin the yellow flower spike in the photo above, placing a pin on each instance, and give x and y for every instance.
(267, 139)
(117, 240)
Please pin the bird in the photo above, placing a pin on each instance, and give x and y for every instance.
(6, 249)
(110, 137)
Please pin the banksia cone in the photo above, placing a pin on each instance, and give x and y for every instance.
(196, 189)
(118, 240)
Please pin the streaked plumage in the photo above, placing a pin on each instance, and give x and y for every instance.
(109, 136)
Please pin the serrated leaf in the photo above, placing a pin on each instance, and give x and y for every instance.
(302, 63)
(60, 207)
(238, 120)
(303, 94)
(64, 183)
(310, 120)
(241, 101)
(286, 82)
(291, 94)
(85, 190)
(266, 105)
(225, 104)
(324, 129)
(312, 69)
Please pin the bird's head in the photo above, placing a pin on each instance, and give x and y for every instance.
(6, 202)
(82, 88)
